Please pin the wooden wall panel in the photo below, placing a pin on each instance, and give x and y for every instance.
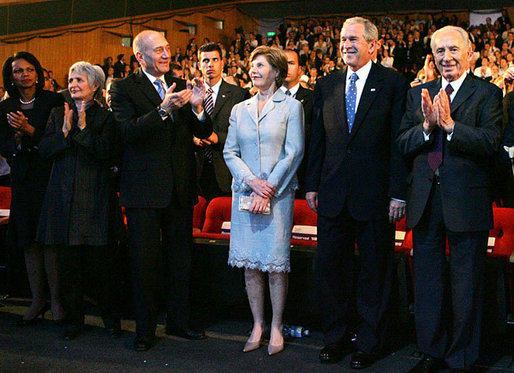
(59, 53)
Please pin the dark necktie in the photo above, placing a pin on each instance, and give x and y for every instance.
(160, 88)
(351, 101)
(208, 105)
(435, 156)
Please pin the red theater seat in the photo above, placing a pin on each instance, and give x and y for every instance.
(303, 215)
(199, 214)
(218, 211)
(5, 198)
(503, 232)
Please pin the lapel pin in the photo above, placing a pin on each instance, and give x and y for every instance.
(223, 96)
(373, 89)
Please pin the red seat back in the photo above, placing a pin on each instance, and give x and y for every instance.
(199, 213)
(503, 232)
(218, 211)
(303, 215)
(5, 198)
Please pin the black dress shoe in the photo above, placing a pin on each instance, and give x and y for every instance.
(334, 352)
(113, 327)
(114, 332)
(186, 333)
(428, 364)
(71, 332)
(141, 344)
(361, 359)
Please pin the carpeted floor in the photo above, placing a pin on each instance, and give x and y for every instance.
(39, 348)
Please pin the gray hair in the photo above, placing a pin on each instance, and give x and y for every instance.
(463, 33)
(94, 74)
(370, 30)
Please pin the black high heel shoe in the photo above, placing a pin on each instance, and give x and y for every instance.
(33, 320)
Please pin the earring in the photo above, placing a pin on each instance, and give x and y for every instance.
(37, 81)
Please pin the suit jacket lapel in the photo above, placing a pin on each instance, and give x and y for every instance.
(340, 104)
(370, 92)
(224, 95)
(466, 89)
(147, 88)
(251, 107)
(300, 94)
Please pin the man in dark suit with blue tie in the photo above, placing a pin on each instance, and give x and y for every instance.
(450, 132)
(214, 177)
(158, 117)
(356, 181)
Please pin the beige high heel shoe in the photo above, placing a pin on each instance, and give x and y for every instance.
(252, 346)
(273, 350)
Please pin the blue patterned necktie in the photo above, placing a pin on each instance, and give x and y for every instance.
(351, 101)
(160, 88)
(288, 93)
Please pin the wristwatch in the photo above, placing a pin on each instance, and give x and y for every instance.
(163, 113)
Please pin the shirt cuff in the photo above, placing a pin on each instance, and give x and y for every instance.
(200, 116)
(398, 200)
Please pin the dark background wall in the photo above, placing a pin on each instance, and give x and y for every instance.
(26, 17)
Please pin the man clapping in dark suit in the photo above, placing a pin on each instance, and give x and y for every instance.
(356, 182)
(292, 87)
(451, 131)
(158, 117)
(214, 176)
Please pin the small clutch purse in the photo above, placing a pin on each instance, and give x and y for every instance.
(246, 201)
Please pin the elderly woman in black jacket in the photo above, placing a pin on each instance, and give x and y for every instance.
(80, 211)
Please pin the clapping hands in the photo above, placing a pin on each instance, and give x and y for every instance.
(436, 113)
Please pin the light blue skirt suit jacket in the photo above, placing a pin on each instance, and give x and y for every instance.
(268, 146)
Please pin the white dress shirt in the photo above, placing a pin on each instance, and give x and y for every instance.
(215, 90)
(293, 90)
(362, 73)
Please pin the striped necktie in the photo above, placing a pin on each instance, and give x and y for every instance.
(160, 88)
(208, 105)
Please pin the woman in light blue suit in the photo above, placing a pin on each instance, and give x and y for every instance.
(263, 150)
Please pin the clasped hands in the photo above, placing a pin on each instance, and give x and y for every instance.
(211, 140)
(20, 123)
(436, 113)
(68, 117)
(262, 192)
(194, 94)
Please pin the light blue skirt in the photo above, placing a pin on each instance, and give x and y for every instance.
(260, 241)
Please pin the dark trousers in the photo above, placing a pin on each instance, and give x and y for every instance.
(208, 184)
(88, 270)
(335, 273)
(448, 296)
(160, 267)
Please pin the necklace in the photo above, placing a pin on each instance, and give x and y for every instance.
(28, 102)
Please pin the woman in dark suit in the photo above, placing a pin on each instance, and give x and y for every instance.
(80, 210)
(23, 118)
